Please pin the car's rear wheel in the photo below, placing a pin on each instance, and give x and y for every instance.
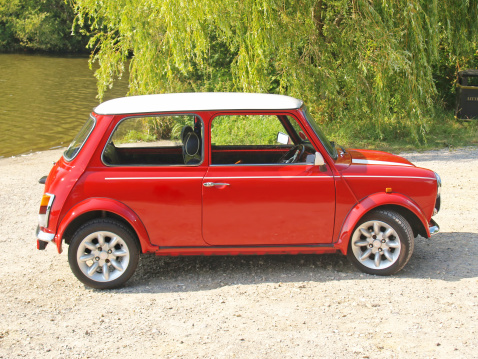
(382, 243)
(103, 254)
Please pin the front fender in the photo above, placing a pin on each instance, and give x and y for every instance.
(107, 205)
(366, 205)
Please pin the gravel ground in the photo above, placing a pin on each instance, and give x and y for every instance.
(244, 307)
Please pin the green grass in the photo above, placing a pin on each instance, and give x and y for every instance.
(443, 131)
(135, 136)
(245, 130)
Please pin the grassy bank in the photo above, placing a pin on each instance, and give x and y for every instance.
(443, 131)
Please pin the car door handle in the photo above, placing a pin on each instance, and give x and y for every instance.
(212, 184)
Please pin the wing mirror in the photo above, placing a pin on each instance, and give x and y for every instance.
(317, 160)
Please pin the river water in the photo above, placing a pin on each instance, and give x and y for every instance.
(44, 101)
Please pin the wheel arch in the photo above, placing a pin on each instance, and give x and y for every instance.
(93, 208)
(393, 202)
(418, 227)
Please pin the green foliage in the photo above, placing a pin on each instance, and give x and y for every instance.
(245, 130)
(158, 127)
(38, 25)
(364, 68)
(445, 132)
(151, 129)
(133, 136)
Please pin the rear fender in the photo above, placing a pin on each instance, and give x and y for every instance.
(368, 204)
(105, 205)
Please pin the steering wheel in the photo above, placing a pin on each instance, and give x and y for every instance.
(293, 155)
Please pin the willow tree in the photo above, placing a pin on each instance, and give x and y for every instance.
(370, 65)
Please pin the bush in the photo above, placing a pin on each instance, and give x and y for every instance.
(38, 25)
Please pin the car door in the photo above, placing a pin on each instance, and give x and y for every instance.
(251, 198)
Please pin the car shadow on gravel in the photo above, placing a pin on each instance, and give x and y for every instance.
(447, 256)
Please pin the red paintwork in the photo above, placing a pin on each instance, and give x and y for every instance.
(373, 201)
(302, 209)
(377, 155)
(112, 206)
(257, 209)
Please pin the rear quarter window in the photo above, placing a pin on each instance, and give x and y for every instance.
(75, 146)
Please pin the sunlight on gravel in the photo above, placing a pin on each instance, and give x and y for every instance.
(303, 306)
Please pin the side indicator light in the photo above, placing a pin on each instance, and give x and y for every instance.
(45, 208)
(44, 203)
(388, 190)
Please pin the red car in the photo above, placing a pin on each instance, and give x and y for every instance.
(227, 174)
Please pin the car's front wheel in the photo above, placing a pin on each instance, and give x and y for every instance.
(382, 243)
(103, 254)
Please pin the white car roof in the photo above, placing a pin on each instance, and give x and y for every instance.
(197, 101)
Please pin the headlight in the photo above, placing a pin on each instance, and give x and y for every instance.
(438, 199)
(438, 184)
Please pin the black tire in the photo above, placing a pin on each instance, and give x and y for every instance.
(381, 243)
(91, 244)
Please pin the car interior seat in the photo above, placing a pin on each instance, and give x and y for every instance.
(191, 146)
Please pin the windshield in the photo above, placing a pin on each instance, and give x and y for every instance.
(80, 139)
(328, 146)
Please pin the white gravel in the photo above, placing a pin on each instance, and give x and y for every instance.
(243, 307)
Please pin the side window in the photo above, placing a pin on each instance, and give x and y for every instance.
(156, 140)
(245, 130)
(253, 139)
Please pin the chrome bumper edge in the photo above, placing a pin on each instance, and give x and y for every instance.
(433, 227)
